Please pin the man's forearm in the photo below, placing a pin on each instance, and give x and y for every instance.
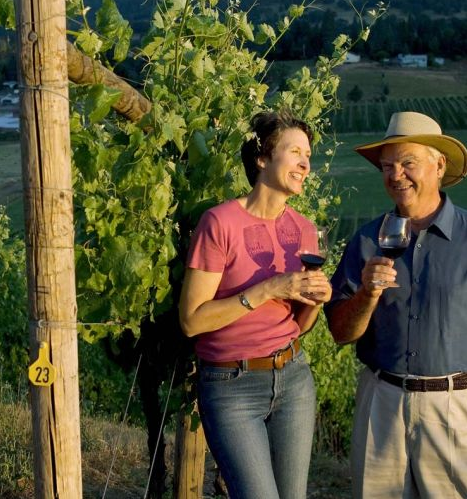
(349, 319)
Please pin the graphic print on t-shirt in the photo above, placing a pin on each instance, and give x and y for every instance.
(288, 235)
(259, 245)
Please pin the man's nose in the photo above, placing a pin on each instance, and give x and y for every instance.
(397, 171)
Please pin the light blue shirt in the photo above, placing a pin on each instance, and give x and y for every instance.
(421, 327)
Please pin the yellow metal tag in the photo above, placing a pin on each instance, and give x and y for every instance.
(42, 372)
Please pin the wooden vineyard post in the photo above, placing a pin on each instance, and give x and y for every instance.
(45, 147)
(189, 459)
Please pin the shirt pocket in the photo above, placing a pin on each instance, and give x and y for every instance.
(212, 374)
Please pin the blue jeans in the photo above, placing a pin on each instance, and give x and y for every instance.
(259, 427)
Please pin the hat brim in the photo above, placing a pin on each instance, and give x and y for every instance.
(455, 152)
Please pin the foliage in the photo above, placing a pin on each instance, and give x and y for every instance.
(105, 388)
(13, 304)
(142, 187)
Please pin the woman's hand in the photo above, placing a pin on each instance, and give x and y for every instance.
(311, 287)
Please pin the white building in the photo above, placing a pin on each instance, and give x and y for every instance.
(351, 58)
(413, 61)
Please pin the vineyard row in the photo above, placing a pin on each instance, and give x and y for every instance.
(371, 116)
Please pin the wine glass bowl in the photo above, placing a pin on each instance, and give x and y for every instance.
(393, 240)
(394, 235)
(314, 259)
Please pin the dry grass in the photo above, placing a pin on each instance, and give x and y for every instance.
(329, 477)
(99, 439)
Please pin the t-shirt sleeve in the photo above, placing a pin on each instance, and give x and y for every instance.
(207, 246)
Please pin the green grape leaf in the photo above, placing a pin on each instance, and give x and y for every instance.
(296, 10)
(114, 29)
(245, 28)
(197, 148)
(89, 42)
(99, 102)
(265, 33)
(161, 199)
(97, 281)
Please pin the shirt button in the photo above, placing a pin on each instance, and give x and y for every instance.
(419, 245)
(414, 317)
(413, 354)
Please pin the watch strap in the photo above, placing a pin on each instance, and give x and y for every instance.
(244, 301)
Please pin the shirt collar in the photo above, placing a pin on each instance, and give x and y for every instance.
(445, 218)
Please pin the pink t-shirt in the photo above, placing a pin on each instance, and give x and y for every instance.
(246, 250)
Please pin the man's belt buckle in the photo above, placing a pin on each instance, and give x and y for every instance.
(278, 360)
(421, 381)
(404, 384)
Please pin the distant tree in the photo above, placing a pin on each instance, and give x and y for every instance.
(328, 30)
(355, 94)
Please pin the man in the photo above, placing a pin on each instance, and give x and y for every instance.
(408, 317)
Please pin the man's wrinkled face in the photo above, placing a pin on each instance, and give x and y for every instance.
(412, 174)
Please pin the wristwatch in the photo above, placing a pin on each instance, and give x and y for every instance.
(244, 301)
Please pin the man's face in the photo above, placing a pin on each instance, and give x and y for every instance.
(411, 175)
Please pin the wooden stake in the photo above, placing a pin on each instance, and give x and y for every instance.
(190, 451)
(45, 148)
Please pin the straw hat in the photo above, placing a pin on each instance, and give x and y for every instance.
(421, 129)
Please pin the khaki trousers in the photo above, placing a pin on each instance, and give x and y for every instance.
(408, 445)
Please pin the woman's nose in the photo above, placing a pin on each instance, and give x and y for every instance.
(305, 163)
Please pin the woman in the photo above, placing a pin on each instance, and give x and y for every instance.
(247, 300)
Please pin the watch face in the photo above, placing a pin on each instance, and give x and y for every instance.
(244, 301)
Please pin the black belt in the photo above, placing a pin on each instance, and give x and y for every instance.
(425, 384)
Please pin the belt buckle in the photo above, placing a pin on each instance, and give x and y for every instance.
(276, 363)
(404, 384)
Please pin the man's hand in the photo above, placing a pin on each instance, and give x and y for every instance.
(378, 275)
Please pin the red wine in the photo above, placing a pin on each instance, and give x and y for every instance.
(392, 252)
(312, 262)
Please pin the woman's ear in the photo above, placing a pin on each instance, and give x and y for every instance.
(261, 163)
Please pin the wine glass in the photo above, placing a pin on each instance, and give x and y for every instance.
(394, 238)
(313, 259)
(394, 235)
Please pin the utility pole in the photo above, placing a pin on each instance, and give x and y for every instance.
(45, 148)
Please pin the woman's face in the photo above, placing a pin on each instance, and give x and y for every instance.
(289, 164)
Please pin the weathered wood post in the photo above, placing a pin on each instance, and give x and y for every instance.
(45, 148)
(190, 451)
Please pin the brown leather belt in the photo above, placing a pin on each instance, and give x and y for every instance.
(276, 361)
(425, 384)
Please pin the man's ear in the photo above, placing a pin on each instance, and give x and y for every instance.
(441, 167)
(260, 163)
